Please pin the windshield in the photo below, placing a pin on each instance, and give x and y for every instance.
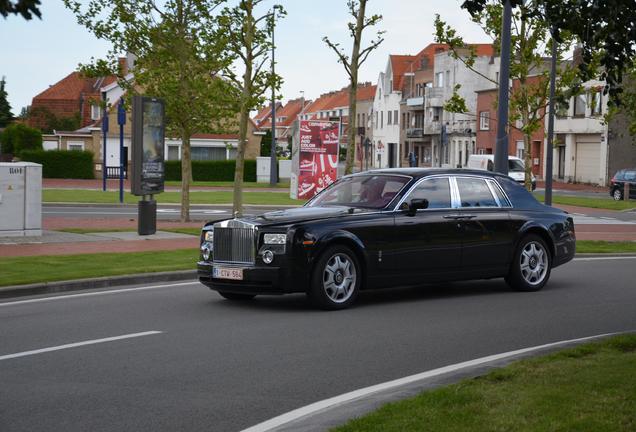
(364, 191)
(515, 165)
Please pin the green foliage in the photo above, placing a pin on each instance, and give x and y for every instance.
(5, 108)
(606, 30)
(50, 122)
(19, 137)
(529, 71)
(25, 8)
(266, 143)
(211, 170)
(456, 103)
(72, 164)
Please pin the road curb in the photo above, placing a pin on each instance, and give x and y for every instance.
(605, 255)
(94, 283)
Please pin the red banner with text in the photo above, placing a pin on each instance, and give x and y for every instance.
(319, 146)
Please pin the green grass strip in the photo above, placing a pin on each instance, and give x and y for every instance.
(196, 197)
(229, 184)
(600, 246)
(588, 388)
(599, 203)
(50, 268)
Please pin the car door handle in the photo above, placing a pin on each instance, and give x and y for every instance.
(454, 217)
(467, 217)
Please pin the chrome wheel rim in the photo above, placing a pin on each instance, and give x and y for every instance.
(534, 263)
(339, 278)
(617, 195)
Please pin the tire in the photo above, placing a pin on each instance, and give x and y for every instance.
(617, 194)
(336, 278)
(531, 265)
(235, 296)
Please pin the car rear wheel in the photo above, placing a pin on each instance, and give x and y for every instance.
(531, 266)
(336, 279)
(235, 296)
(617, 194)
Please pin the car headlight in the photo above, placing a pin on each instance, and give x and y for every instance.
(278, 239)
(209, 236)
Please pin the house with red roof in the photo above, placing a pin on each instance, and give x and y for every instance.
(286, 115)
(74, 96)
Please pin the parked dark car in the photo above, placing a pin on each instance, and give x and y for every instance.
(617, 184)
(387, 228)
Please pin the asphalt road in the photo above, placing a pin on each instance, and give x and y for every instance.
(223, 366)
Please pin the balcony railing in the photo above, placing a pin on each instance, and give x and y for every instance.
(434, 96)
(415, 133)
(415, 101)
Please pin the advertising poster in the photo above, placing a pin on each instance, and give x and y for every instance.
(148, 146)
(318, 157)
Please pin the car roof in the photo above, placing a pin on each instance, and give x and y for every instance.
(423, 172)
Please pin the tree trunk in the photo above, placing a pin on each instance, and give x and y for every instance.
(186, 175)
(246, 94)
(353, 89)
(527, 161)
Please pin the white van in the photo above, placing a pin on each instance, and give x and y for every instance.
(516, 168)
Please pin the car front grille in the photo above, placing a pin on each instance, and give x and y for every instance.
(235, 245)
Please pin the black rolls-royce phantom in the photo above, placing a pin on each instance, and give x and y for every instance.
(386, 228)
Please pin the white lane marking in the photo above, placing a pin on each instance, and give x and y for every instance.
(347, 397)
(117, 291)
(77, 344)
(605, 258)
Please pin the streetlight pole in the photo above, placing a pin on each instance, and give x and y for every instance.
(549, 149)
(273, 165)
(501, 149)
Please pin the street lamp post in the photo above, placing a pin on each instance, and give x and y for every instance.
(550, 150)
(273, 165)
(501, 149)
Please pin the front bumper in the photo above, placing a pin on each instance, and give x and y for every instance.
(565, 250)
(256, 279)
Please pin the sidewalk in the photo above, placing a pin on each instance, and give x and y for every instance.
(60, 243)
(113, 185)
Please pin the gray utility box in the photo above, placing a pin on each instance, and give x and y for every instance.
(20, 199)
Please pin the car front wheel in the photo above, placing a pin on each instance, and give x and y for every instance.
(336, 279)
(531, 266)
(617, 194)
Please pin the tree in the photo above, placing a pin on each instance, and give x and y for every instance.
(5, 108)
(179, 54)
(48, 122)
(266, 143)
(18, 137)
(529, 95)
(26, 8)
(606, 30)
(357, 9)
(248, 40)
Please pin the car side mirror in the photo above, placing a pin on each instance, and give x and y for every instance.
(417, 204)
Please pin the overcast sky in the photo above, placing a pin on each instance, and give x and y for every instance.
(38, 53)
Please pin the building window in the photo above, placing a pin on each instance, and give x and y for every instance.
(396, 118)
(561, 110)
(208, 153)
(447, 78)
(580, 105)
(389, 118)
(364, 120)
(439, 79)
(75, 146)
(96, 112)
(375, 123)
(596, 103)
(381, 119)
(484, 120)
(173, 152)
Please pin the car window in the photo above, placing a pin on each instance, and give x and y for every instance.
(503, 201)
(630, 176)
(435, 190)
(364, 191)
(619, 175)
(474, 192)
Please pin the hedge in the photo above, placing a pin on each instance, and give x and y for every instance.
(72, 164)
(222, 170)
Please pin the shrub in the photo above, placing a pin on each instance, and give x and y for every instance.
(211, 170)
(18, 137)
(73, 164)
